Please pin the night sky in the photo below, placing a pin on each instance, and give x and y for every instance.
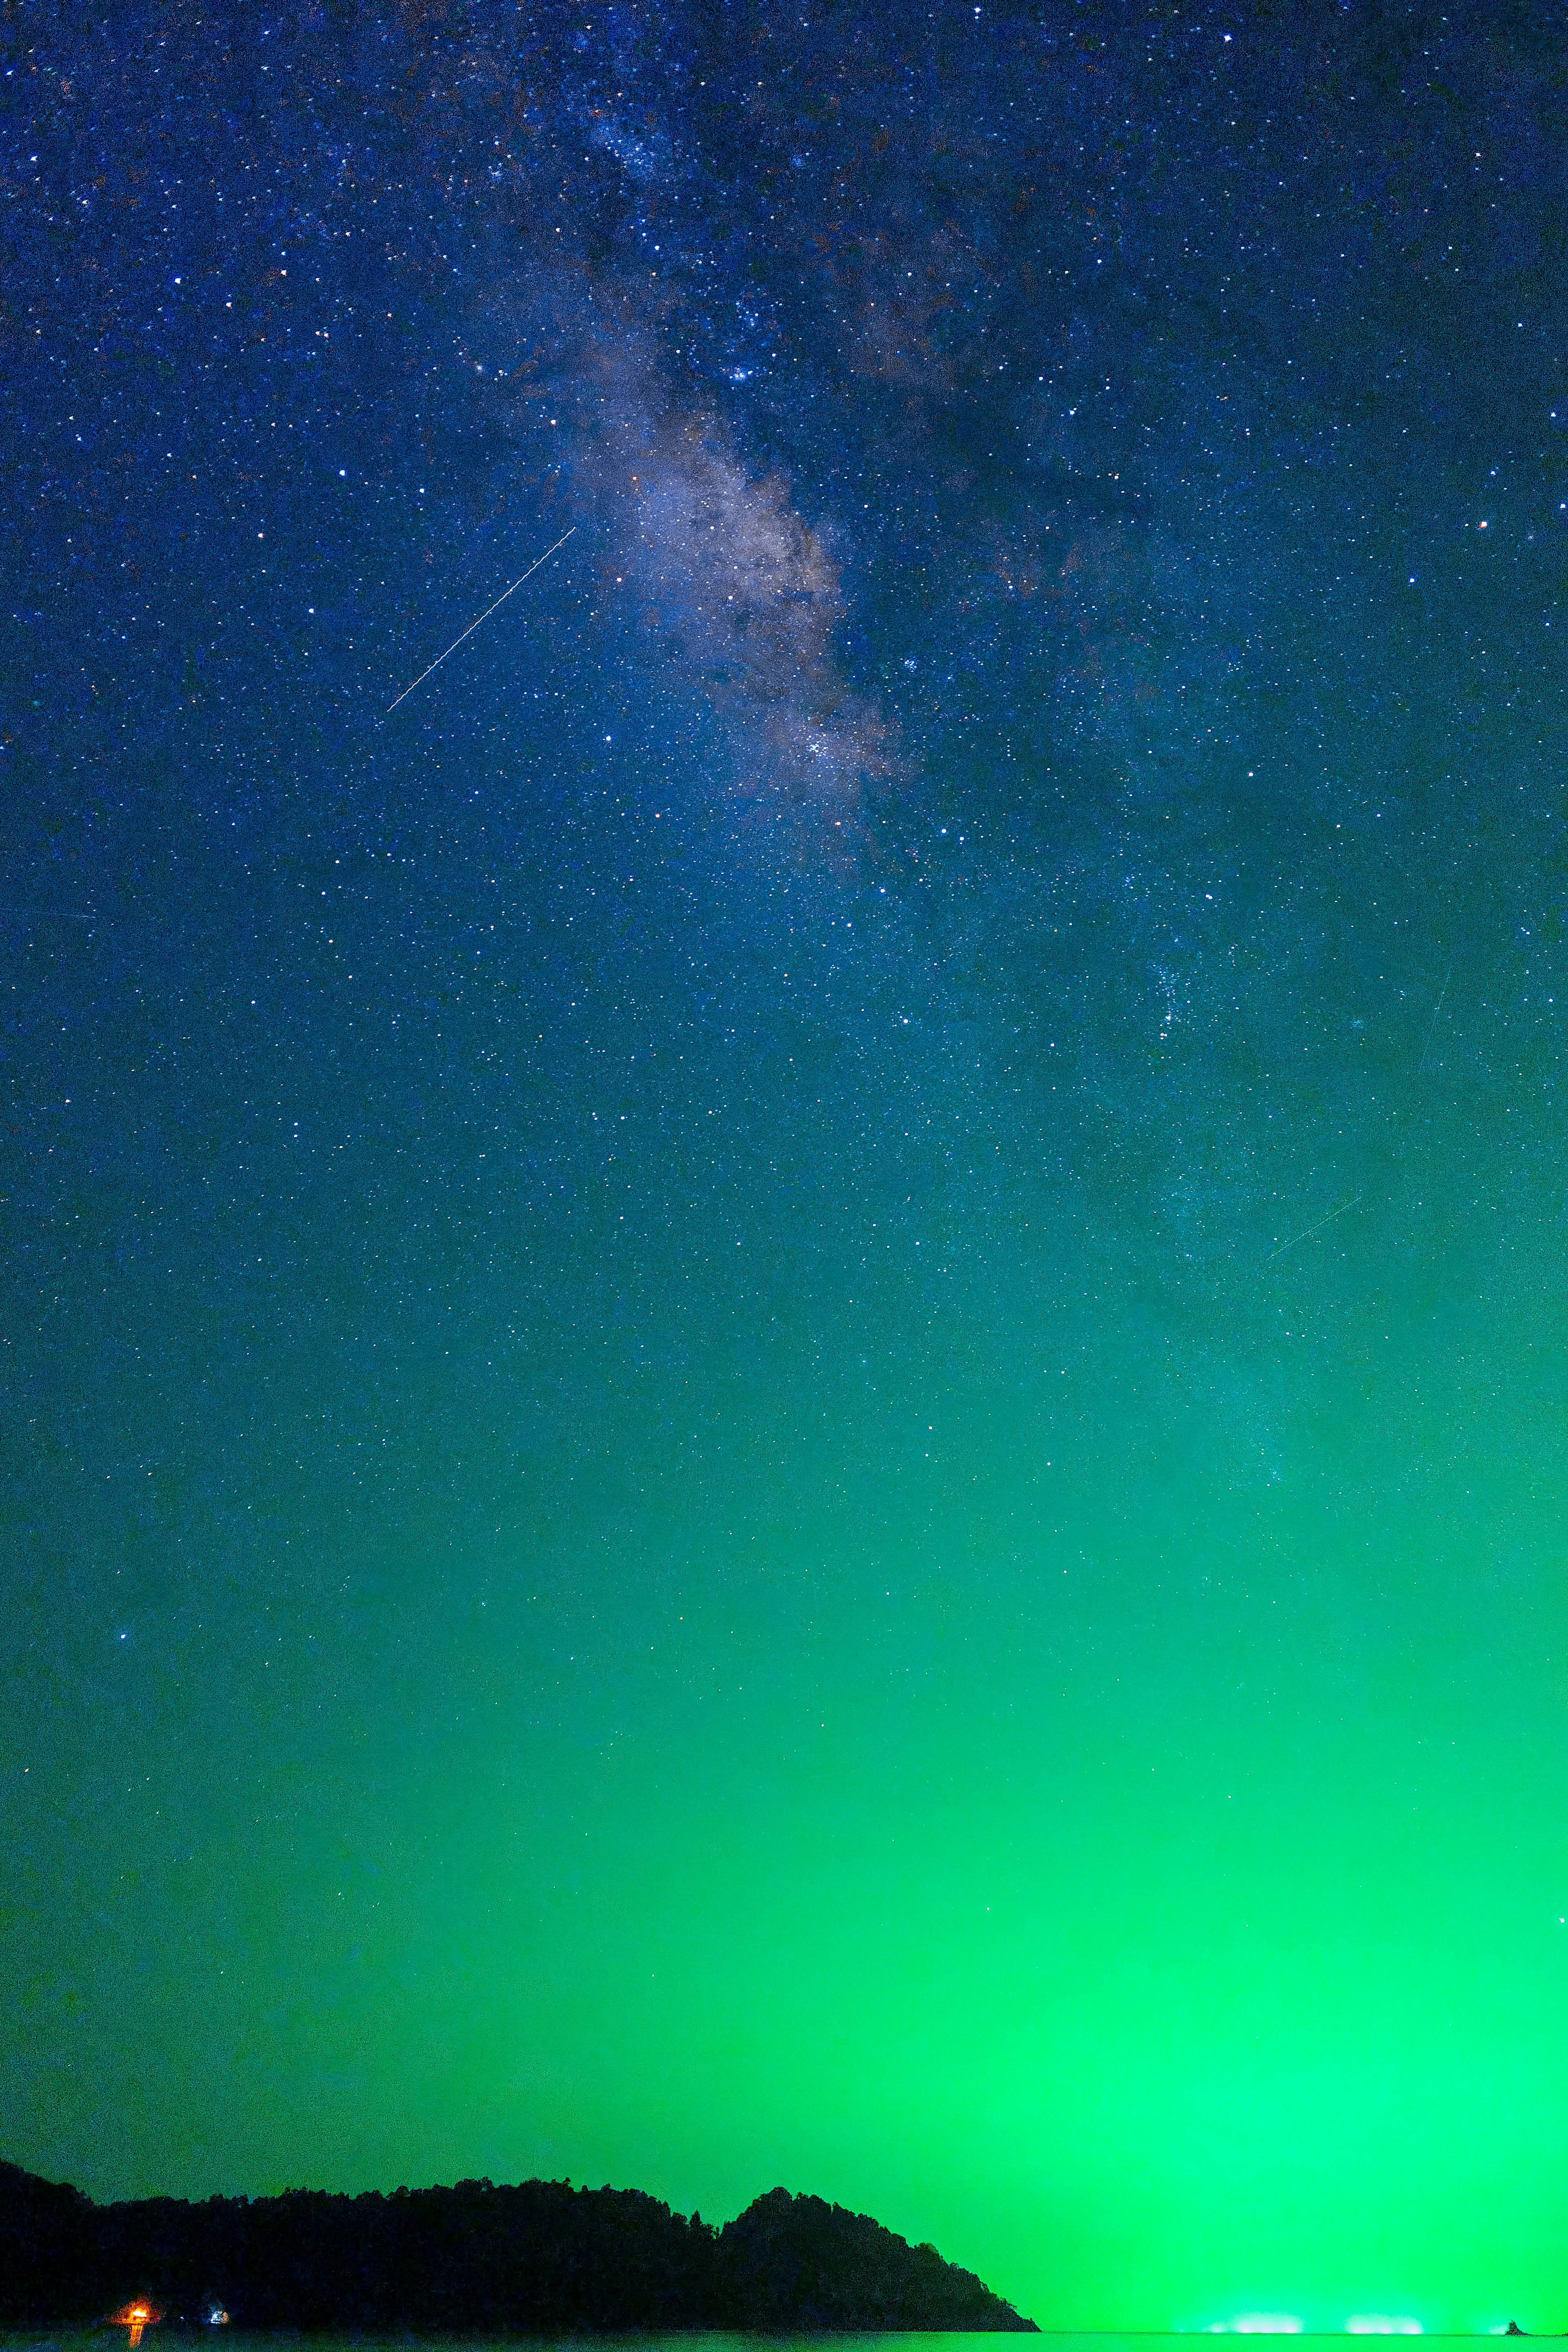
(783, 1387)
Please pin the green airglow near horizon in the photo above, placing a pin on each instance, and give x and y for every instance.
(1160, 1979)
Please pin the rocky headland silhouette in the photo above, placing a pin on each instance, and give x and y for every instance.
(475, 2259)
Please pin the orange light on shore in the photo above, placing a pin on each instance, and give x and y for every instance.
(136, 2317)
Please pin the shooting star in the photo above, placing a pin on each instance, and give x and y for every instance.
(468, 632)
(1431, 1032)
(1308, 1230)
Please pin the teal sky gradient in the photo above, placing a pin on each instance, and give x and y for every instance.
(783, 1396)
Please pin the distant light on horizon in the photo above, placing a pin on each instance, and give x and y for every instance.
(1376, 2323)
(1258, 2323)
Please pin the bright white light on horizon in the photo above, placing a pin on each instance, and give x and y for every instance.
(1376, 2323)
(1258, 2323)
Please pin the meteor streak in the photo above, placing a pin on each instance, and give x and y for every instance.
(483, 617)
(1301, 1238)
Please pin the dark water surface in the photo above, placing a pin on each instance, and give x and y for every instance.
(233, 2339)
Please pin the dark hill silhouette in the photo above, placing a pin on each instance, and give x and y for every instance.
(476, 2259)
(794, 2262)
(48, 2251)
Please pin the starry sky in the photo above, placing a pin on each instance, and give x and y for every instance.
(783, 1385)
